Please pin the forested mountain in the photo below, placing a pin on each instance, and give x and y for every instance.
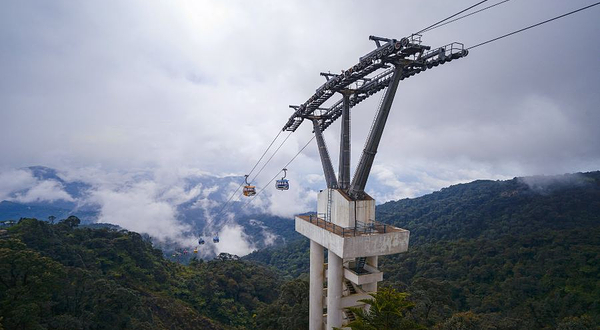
(195, 201)
(516, 254)
(64, 277)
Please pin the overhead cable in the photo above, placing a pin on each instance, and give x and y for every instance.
(534, 25)
(268, 160)
(252, 170)
(264, 153)
(447, 18)
(276, 175)
(464, 16)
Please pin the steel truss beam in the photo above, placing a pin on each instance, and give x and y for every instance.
(372, 74)
(414, 57)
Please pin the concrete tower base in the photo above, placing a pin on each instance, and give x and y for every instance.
(354, 241)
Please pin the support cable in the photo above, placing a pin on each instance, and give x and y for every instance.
(264, 153)
(276, 175)
(447, 18)
(268, 160)
(465, 16)
(534, 25)
(252, 170)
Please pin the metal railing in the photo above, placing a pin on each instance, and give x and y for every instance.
(361, 228)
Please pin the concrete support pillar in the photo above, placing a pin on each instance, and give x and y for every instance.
(371, 287)
(335, 276)
(316, 286)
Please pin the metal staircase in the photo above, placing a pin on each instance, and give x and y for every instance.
(350, 286)
(349, 315)
(360, 264)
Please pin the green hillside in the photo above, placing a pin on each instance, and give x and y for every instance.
(65, 277)
(519, 254)
(516, 254)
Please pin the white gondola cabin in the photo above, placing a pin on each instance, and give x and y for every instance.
(283, 183)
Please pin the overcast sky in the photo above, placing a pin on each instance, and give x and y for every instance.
(205, 85)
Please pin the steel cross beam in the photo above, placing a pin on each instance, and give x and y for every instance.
(368, 74)
(391, 62)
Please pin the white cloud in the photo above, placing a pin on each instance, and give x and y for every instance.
(233, 240)
(131, 97)
(48, 190)
(141, 207)
(13, 180)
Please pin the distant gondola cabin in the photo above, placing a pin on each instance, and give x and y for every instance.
(249, 190)
(282, 184)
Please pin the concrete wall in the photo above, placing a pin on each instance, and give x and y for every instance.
(365, 210)
(322, 202)
(344, 211)
(342, 208)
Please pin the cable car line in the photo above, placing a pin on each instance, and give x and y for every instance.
(534, 25)
(465, 16)
(268, 160)
(447, 18)
(257, 193)
(436, 25)
(252, 170)
(264, 153)
(229, 200)
(276, 175)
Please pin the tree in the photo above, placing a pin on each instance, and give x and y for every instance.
(27, 281)
(577, 323)
(388, 310)
(51, 219)
(289, 311)
(72, 221)
(461, 321)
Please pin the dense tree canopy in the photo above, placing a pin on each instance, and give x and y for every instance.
(495, 255)
(63, 277)
(519, 254)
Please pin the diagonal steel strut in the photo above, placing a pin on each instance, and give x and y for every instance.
(325, 159)
(357, 187)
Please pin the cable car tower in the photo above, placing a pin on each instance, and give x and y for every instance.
(345, 220)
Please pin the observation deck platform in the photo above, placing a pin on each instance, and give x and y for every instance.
(372, 239)
(360, 230)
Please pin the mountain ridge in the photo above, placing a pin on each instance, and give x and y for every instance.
(510, 255)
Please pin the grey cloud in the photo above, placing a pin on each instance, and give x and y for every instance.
(125, 87)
